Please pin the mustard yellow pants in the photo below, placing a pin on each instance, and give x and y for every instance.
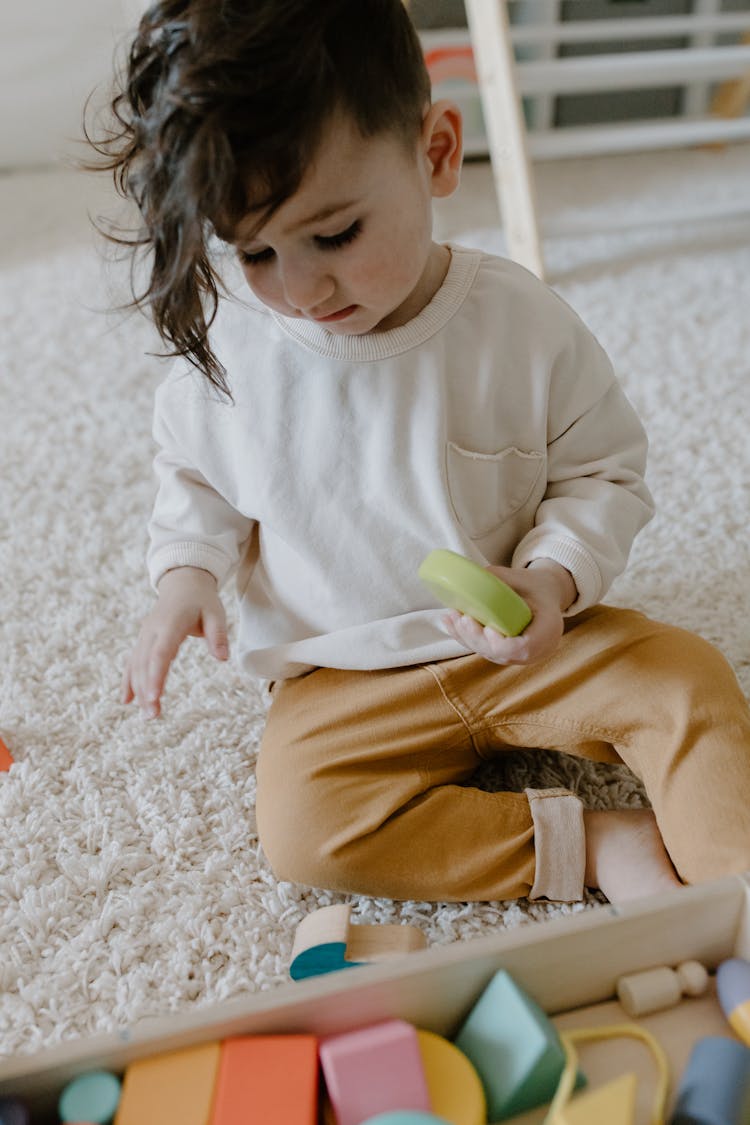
(362, 775)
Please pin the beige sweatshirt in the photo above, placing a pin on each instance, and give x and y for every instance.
(490, 424)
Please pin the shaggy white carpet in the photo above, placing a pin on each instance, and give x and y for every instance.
(131, 881)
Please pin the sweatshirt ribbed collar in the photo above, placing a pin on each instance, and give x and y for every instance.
(450, 296)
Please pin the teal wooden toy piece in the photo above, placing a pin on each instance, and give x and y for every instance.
(328, 957)
(91, 1097)
(326, 941)
(466, 586)
(514, 1047)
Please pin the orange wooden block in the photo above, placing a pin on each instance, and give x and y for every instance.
(6, 758)
(175, 1088)
(267, 1080)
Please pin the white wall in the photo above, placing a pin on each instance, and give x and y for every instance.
(52, 54)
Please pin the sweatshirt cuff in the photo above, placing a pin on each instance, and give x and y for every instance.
(560, 845)
(188, 553)
(570, 554)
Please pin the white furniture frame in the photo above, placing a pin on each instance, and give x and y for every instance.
(504, 80)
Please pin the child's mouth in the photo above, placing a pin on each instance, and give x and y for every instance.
(335, 316)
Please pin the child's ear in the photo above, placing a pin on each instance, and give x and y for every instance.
(442, 138)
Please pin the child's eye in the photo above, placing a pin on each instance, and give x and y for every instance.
(325, 242)
(333, 241)
(257, 258)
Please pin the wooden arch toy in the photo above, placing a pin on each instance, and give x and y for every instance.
(326, 941)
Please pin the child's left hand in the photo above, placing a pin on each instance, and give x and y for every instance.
(548, 588)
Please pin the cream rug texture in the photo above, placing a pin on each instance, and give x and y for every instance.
(131, 880)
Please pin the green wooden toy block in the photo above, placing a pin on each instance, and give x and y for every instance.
(466, 586)
(514, 1047)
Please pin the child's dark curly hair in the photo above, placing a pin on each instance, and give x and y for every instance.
(220, 92)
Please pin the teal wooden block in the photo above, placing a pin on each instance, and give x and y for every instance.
(91, 1097)
(328, 957)
(514, 1047)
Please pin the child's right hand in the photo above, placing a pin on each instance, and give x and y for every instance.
(188, 605)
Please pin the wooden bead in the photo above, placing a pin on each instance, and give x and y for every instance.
(693, 978)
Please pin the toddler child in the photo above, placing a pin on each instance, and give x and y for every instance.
(368, 395)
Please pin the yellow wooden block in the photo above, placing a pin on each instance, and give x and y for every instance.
(613, 1104)
(455, 1088)
(175, 1088)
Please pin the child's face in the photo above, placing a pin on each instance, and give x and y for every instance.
(352, 249)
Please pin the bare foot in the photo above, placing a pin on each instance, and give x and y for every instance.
(625, 854)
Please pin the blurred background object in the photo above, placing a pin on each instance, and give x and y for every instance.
(633, 99)
(549, 79)
(52, 55)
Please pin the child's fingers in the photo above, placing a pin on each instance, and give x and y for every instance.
(159, 641)
(468, 632)
(215, 632)
(160, 659)
(487, 642)
(462, 628)
(134, 689)
(505, 650)
(126, 688)
(147, 672)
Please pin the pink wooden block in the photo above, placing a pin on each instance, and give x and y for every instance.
(374, 1070)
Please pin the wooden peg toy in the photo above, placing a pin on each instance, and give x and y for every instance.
(657, 989)
(326, 941)
(374, 1070)
(173, 1088)
(6, 758)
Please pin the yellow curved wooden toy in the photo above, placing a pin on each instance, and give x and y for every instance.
(456, 1090)
(615, 1102)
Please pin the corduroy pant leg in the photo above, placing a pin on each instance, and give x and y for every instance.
(362, 775)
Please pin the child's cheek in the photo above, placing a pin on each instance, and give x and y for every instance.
(383, 273)
(262, 285)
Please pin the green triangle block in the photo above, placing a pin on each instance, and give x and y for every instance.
(514, 1047)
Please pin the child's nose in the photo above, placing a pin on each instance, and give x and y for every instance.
(305, 287)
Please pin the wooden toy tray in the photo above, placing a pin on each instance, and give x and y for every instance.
(568, 965)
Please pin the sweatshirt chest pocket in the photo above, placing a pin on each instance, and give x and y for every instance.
(486, 489)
